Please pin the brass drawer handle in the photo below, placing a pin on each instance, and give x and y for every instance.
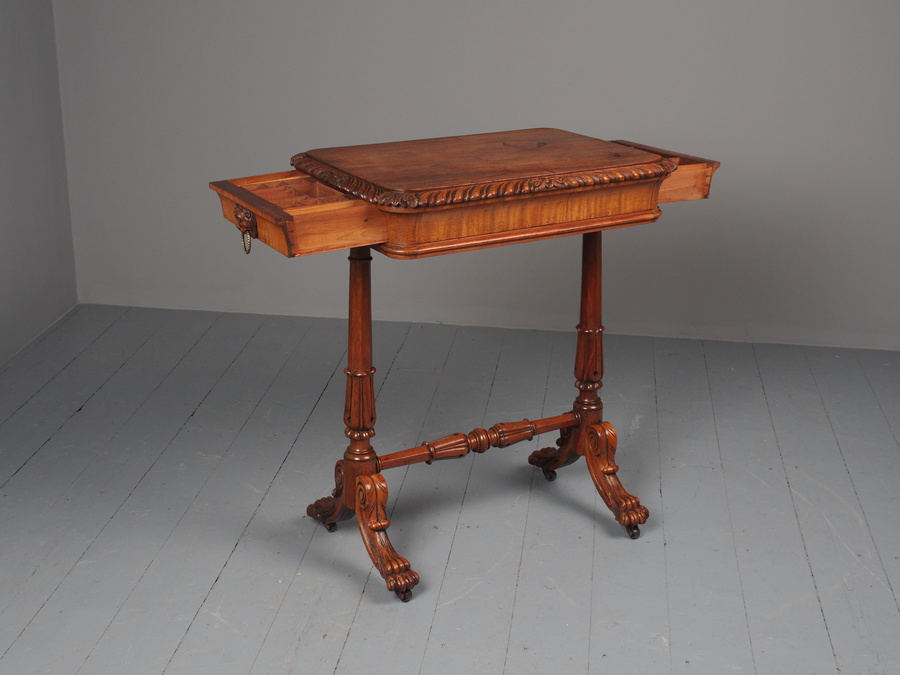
(246, 222)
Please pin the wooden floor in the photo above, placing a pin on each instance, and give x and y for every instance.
(155, 468)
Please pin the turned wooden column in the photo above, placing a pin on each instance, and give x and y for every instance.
(590, 436)
(589, 351)
(359, 402)
(596, 439)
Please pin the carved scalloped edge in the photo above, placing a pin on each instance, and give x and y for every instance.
(370, 192)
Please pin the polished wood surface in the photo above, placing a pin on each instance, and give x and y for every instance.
(435, 196)
(296, 215)
(415, 199)
(463, 169)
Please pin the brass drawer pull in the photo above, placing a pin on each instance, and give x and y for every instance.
(246, 222)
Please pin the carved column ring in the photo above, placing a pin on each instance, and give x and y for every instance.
(359, 373)
(482, 439)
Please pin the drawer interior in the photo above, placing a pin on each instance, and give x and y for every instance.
(289, 190)
(296, 215)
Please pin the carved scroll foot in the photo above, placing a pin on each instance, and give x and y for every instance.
(600, 455)
(371, 500)
(550, 459)
(331, 509)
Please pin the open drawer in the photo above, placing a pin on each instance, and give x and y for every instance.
(297, 215)
(691, 180)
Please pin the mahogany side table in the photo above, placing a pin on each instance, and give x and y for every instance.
(421, 198)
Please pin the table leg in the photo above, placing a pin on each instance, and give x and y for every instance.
(592, 437)
(359, 488)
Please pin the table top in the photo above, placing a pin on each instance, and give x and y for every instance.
(461, 169)
(412, 199)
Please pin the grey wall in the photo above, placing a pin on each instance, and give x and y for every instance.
(37, 270)
(799, 99)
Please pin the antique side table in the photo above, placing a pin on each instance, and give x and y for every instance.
(421, 198)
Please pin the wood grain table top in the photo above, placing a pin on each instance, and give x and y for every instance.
(460, 169)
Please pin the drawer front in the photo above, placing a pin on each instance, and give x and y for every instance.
(506, 221)
(691, 180)
(296, 215)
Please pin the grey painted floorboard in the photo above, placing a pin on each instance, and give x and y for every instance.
(629, 611)
(156, 467)
(43, 414)
(781, 611)
(702, 572)
(64, 496)
(45, 357)
(859, 611)
(478, 588)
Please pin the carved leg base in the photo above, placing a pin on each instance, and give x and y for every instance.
(371, 516)
(550, 459)
(329, 510)
(600, 455)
